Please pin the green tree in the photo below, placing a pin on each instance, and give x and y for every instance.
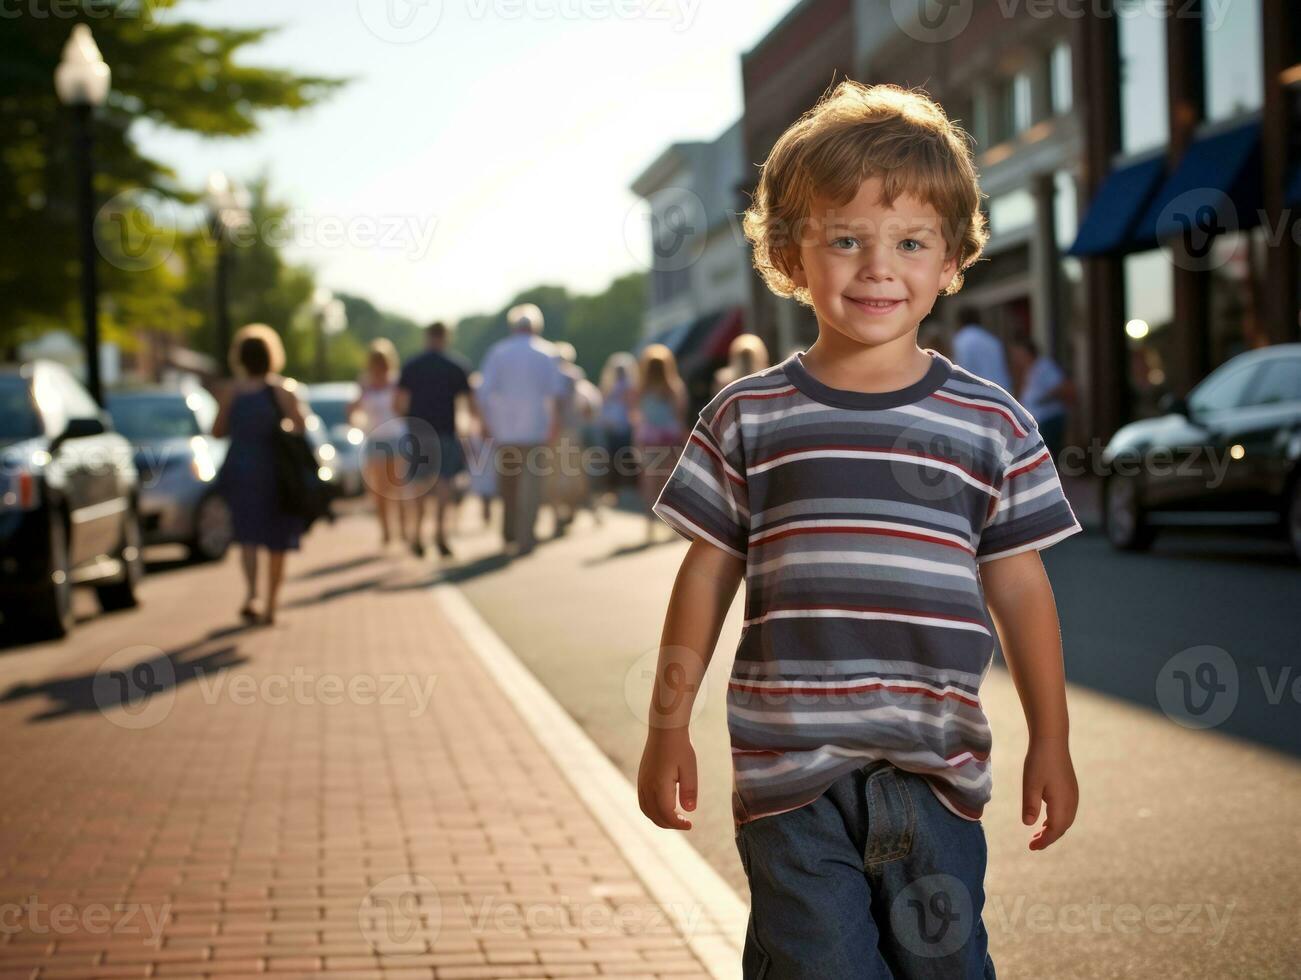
(176, 74)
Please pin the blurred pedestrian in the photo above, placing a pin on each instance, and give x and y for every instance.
(565, 486)
(747, 354)
(521, 393)
(979, 351)
(376, 407)
(1045, 391)
(252, 410)
(483, 474)
(427, 391)
(618, 384)
(932, 335)
(659, 424)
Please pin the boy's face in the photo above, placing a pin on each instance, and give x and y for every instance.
(873, 272)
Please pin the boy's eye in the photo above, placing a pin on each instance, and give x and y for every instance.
(912, 241)
(836, 242)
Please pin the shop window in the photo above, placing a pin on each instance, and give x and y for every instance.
(1060, 90)
(1144, 120)
(1231, 42)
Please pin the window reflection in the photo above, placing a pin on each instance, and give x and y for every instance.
(1143, 117)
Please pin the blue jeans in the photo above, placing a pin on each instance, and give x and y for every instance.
(874, 879)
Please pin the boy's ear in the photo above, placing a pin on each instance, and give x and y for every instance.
(948, 271)
(797, 272)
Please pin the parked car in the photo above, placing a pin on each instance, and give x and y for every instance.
(68, 501)
(177, 458)
(329, 402)
(1227, 456)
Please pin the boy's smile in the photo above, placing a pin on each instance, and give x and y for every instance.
(873, 272)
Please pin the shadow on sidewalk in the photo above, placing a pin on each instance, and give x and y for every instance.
(129, 685)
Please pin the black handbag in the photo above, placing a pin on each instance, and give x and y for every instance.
(299, 488)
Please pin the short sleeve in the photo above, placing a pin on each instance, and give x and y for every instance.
(706, 496)
(1031, 510)
(405, 379)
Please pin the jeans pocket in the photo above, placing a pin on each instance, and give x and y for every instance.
(891, 818)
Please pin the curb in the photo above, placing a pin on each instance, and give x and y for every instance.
(703, 907)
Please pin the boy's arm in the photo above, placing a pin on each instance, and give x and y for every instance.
(1020, 601)
(703, 591)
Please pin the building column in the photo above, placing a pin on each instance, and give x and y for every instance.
(1045, 268)
(1279, 25)
(1103, 375)
(1187, 108)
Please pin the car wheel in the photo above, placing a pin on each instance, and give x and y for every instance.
(212, 529)
(49, 616)
(122, 593)
(1127, 528)
(1294, 518)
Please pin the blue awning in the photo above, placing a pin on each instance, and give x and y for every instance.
(1116, 207)
(1215, 188)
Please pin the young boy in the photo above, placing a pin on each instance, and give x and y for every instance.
(877, 498)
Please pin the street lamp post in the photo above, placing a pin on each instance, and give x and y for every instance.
(82, 81)
(330, 318)
(227, 212)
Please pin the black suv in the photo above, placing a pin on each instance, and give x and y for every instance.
(68, 494)
(1229, 455)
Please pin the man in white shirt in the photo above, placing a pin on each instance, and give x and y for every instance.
(979, 351)
(520, 398)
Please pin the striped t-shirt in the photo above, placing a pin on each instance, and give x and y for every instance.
(862, 519)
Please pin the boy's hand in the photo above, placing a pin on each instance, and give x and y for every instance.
(668, 771)
(1049, 777)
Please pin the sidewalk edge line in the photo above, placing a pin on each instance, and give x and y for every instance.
(674, 873)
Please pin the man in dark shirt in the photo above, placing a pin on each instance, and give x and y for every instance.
(427, 391)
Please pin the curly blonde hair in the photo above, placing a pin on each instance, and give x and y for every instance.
(853, 134)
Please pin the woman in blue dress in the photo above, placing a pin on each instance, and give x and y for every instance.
(252, 408)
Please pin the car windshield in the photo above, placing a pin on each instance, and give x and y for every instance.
(333, 411)
(150, 418)
(17, 415)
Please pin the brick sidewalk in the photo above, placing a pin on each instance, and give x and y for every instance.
(349, 793)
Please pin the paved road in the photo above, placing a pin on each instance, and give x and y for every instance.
(1183, 861)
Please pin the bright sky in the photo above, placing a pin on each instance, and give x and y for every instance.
(484, 146)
